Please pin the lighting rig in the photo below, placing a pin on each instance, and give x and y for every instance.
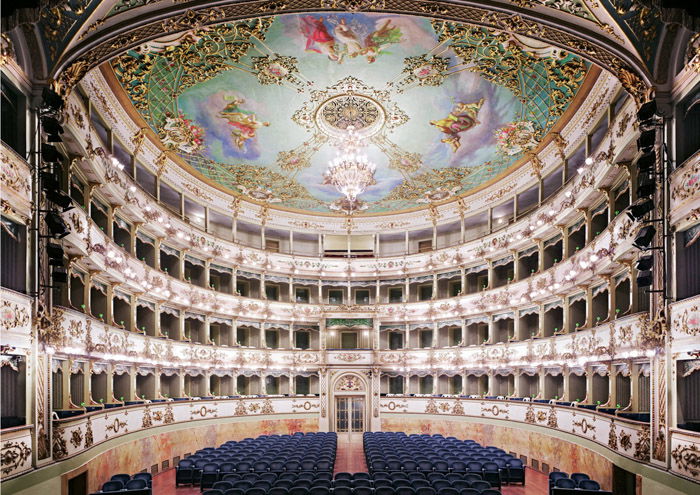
(49, 198)
(652, 168)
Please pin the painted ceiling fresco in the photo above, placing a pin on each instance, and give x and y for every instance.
(256, 106)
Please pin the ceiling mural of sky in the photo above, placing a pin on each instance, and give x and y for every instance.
(259, 106)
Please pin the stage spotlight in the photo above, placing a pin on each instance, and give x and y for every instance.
(647, 113)
(644, 238)
(646, 186)
(645, 263)
(55, 254)
(646, 140)
(57, 227)
(50, 154)
(49, 182)
(52, 128)
(646, 162)
(639, 209)
(60, 198)
(51, 101)
(644, 279)
(60, 274)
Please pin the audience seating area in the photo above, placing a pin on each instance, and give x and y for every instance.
(561, 483)
(432, 456)
(261, 462)
(124, 484)
(398, 464)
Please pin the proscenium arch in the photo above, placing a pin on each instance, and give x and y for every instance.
(538, 24)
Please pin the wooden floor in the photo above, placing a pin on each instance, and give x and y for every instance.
(350, 458)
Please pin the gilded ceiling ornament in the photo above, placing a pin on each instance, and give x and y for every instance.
(277, 69)
(642, 445)
(353, 5)
(7, 49)
(192, 19)
(423, 70)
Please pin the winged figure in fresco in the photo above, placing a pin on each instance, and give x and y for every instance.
(384, 35)
(318, 39)
(243, 122)
(461, 118)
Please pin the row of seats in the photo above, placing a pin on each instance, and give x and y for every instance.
(576, 481)
(270, 455)
(124, 484)
(384, 490)
(396, 452)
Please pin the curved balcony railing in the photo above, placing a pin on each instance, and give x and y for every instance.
(583, 268)
(76, 435)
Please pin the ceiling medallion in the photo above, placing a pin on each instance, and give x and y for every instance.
(336, 115)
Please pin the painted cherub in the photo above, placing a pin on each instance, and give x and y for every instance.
(460, 119)
(244, 122)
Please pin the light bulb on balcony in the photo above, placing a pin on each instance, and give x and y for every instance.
(132, 188)
(589, 161)
(567, 194)
(594, 257)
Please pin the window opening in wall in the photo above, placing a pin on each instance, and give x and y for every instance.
(687, 263)
(13, 120)
(272, 245)
(272, 292)
(335, 296)
(425, 292)
(362, 296)
(13, 244)
(272, 339)
(302, 385)
(146, 180)
(301, 295)
(425, 385)
(395, 295)
(303, 339)
(425, 246)
(396, 385)
(426, 338)
(455, 288)
(243, 288)
(348, 340)
(395, 340)
(77, 191)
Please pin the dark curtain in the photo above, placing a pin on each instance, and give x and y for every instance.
(688, 263)
(9, 381)
(13, 244)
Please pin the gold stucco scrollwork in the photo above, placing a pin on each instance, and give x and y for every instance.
(687, 457)
(353, 5)
(13, 456)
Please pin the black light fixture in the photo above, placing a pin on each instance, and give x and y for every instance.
(49, 181)
(645, 279)
(59, 274)
(646, 140)
(646, 186)
(57, 227)
(646, 162)
(647, 113)
(645, 263)
(50, 154)
(55, 254)
(639, 209)
(644, 238)
(51, 102)
(52, 128)
(60, 198)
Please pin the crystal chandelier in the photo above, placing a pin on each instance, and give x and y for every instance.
(350, 172)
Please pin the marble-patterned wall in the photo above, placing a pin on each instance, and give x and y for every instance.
(141, 454)
(560, 454)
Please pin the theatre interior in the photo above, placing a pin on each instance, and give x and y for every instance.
(350, 247)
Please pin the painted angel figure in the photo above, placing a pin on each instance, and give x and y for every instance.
(385, 34)
(461, 118)
(244, 122)
(318, 39)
